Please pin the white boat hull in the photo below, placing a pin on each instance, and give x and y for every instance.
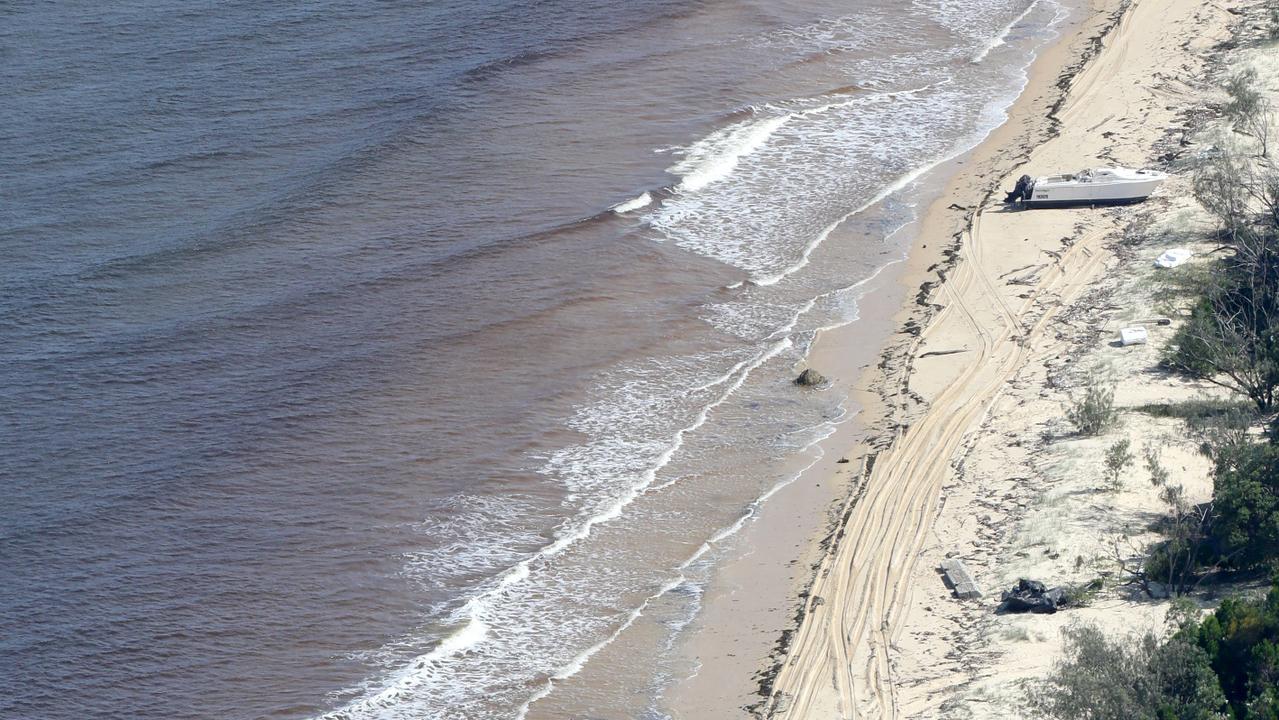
(1099, 186)
(1092, 194)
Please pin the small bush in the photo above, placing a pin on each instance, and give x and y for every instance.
(1215, 423)
(1118, 458)
(1083, 595)
(1224, 430)
(1198, 409)
(1244, 98)
(1016, 633)
(1095, 411)
(1247, 108)
(1154, 465)
(1129, 678)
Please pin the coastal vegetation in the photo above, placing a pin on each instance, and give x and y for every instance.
(1231, 339)
(1224, 664)
(1118, 459)
(1129, 678)
(1094, 411)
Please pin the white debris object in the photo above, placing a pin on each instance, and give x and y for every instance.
(1133, 336)
(1172, 258)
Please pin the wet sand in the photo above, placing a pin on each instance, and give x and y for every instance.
(955, 438)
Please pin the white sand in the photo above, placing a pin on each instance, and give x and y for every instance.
(986, 467)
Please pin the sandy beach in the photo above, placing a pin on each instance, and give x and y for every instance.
(962, 449)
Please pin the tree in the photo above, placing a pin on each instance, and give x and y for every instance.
(1241, 641)
(1129, 678)
(1245, 530)
(1232, 335)
(1220, 184)
(1177, 561)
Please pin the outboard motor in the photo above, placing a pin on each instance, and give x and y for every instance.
(1025, 186)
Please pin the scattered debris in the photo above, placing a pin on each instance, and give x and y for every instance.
(1028, 275)
(1133, 336)
(1031, 596)
(958, 577)
(1172, 258)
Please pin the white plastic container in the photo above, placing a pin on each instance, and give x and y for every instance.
(1172, 258)
(1133, 336)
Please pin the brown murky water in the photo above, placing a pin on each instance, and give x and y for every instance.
(391, 361)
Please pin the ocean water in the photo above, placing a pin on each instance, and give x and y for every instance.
(389, 360)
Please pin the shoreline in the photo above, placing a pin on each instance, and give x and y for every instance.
(899, 393)
(871, 380)
(885, 391)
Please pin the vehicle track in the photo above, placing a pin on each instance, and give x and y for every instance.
(839, 663)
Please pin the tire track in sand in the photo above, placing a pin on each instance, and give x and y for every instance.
(839, 663)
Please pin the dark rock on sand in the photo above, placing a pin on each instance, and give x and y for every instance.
(810, 378)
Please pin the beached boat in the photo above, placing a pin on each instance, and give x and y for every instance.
(1099, 186)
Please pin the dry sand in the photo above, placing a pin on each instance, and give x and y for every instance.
(1013, 310)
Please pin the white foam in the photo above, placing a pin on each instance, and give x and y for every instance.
(895, 186)
(713, 158)
(644, 200)
(750, 318)
(783, 200)
(832, 160)
(512, 634)
(1002, 37)
(579, 662)
(590, 470)
(400, 684)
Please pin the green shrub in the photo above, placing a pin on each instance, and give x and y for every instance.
(1132, 677)
(1245, 528)
(1241, 641)
(1118, 459)
(1094, 412)
(1232, 340)
(1247, 108)
(1225, 666)
(1083, 594)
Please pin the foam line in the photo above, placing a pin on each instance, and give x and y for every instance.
(416, 672)
(644, 200)
(905, 180)
(579, 662)
(714, 157)
(1002, 37)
